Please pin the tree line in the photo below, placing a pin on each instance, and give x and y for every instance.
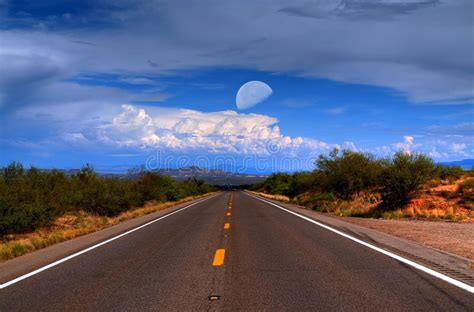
(345, 174)
(31, 198)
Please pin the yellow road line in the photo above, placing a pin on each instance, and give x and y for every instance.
(228, 214)
(219, 257)
(226, 226)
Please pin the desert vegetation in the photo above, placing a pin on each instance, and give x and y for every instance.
(33, 198)
(351, 183)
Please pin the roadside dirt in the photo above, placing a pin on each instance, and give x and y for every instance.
(452, 237)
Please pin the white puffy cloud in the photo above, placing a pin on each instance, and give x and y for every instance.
(407, 144)
(455, 142)
(350, 146)
(184, 130)
(458, 147)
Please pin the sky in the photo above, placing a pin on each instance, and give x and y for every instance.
(125, 83)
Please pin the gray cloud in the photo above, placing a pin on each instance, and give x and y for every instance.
(359, 9)
(424, 50)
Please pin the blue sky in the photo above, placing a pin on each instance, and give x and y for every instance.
(118, 84)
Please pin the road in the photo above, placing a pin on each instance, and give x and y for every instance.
(245, 253)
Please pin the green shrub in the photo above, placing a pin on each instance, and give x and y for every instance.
(322, 201)
(300, 182)
(278, 183)
(466, 189)
(33, 198)
(450, 173)
(466, 185)
(348, 173)
(21, 218)
(402, 177)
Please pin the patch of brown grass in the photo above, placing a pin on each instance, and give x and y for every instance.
(281, 198)
(71, 226)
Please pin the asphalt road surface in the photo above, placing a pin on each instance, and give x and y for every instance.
(251, 256)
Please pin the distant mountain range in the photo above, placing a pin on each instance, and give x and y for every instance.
(465, 163)
(213, 176)
(221, 177)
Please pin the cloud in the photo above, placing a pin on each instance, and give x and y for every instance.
(446, 143)
(397, 47)
(109, 128)
(359, 9)
(351, 146)
(401, 45)
(138, 81)
(458, 147)
(31, 61)
(183, 130)
(336, 110)
(407, 144)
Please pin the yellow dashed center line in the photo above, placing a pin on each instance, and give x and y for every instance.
(219, 257)
(220, 253)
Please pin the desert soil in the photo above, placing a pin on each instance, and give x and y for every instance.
(455, 238)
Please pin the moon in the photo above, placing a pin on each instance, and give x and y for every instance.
(251, 93)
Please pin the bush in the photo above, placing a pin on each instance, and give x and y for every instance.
(466, 189)
(402, 177)
(278, 183)
(322, 201)
(33, 198)
(466, 185)
(347, 174)
(21, 218)
(300, 182)
(450, 173)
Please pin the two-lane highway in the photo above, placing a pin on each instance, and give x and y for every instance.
(233, 252)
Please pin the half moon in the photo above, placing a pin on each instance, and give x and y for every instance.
(252, 93)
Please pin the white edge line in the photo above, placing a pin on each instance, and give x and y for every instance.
(25, 276)
(418, 266)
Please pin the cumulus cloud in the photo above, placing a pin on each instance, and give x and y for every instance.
(407, 144)
(185, 130)
(441, 147)
(350, 146)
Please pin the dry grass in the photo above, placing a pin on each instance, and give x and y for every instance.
(437, 201)
(281, 198)
(73, 225)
